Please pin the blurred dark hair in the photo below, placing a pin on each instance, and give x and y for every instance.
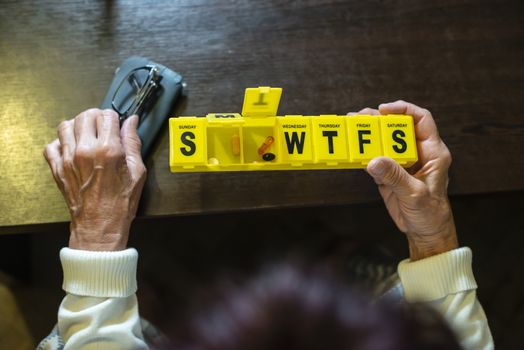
(286, 308)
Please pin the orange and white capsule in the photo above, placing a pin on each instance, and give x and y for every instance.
(267, 143)
(235, 144)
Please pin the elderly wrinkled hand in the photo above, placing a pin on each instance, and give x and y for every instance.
(99, 170)
(417, 198)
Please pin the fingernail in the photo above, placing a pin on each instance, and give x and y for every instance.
(135, 120)
(132, 121)
(109, 113)
(377, 167)
(352, 113)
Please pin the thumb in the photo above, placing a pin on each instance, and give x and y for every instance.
(131, 143)
(385, 171)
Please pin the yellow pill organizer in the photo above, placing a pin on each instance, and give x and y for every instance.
(258, 139)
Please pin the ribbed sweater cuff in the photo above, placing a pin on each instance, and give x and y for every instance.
(99, 274)
(437, 276)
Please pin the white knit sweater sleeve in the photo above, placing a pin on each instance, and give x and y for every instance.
(100, 310)
(446, 283)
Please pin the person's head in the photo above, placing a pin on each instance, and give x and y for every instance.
(285, 308)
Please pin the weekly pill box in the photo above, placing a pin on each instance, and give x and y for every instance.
(258, 139)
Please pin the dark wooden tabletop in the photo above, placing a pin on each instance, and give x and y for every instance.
(463, 60)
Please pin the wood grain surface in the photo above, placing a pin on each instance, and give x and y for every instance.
(463, 60)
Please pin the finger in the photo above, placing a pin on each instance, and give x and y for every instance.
(85, 126)
(66, 136)
(53, 155)
(132, 147)
(54, 159)
(425, 127)
(64, 180)
(107, 126)
(385, 171)
(352, 113)
(369, 111)
(85, 133)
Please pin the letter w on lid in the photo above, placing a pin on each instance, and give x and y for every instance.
(296, 146)
(364, 138)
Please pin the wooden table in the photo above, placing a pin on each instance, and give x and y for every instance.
(463, 60)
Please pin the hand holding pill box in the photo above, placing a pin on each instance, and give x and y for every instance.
(258, 139)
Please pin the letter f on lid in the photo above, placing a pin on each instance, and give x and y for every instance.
(364, 138)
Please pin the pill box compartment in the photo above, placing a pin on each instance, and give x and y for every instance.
(253, 139)
(224, 145)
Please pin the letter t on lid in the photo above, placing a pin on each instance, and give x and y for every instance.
(261, 102)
